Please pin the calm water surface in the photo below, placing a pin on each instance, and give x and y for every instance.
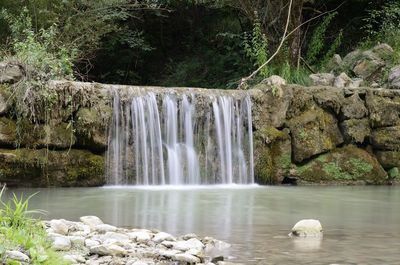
(361, 224)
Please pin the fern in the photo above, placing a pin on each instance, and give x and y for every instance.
(316, 44)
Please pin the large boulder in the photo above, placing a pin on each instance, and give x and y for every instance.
(42, 167)
(383, 107)
(394, 77)
(313, 132)
(307, 228)
(322, 79)
(387, 138)
(347, 165)
(329, 99)
(353, 108)
(388, 159)
(268, 107)
(384, 51)
(368, 66)
(355, 130)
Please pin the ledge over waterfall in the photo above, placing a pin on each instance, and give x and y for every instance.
(154, 135)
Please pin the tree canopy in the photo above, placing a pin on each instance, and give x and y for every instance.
(191, 42)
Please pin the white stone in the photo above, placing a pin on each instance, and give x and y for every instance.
(168, 253)
(105, 250)
(342, 80)
(140, 236)
(274, 80)
(77, 240)
(59, 227)
(186, 258)
(16, 255)
(70, 258)
(355, 82)
(103, 228)
(117, 237)
(61, 243)
(168, 244)
(138, 262)
(162, 236)
(322, 79)
(307, 228)
(195, 252)
(189, 244)
(91, 221)
(91, 243)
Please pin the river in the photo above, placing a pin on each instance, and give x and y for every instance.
(361, 224)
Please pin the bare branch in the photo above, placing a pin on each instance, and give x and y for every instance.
(285, 36)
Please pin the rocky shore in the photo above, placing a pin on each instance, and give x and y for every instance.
(93, 242)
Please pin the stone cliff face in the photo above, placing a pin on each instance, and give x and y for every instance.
(326, 135)
(304, 135)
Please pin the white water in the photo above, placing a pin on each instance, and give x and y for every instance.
(188, 139)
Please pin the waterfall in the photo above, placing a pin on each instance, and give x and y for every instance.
(170, 138)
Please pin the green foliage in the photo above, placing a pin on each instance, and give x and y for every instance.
(39, 52)
(332, 169)
(256, 47)
(317, 42)
(332, 49)
(19, 231)
(383, 24)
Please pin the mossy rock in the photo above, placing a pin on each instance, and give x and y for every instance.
(353, 108)
(8, 132)
(313, 132)
(41, 167)
(347, 165)
(387, 138)
(272, 152)
(26, 134)
(388, 159)
(383, 107)
(355, 130)
(269, 108)
(5, 94)
(91, 127)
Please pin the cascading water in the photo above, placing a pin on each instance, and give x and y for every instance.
(170, 138)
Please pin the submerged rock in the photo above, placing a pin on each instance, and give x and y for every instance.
(307, 228)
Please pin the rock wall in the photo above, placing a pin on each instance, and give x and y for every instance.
(303, 135)
(326, 135)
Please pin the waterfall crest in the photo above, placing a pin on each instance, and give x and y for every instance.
(171, 138)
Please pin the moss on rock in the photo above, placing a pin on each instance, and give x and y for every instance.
(272, 155)
(41, 167)
(313, 132)
(347, 165)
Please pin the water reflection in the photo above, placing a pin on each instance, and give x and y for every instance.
(361, 224)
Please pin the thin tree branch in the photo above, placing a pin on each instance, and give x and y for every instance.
(244, 80)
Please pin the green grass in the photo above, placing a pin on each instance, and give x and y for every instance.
(19, 231)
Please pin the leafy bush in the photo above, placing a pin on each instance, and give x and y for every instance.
(256, 47)
(40, 52)
(383, 25)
